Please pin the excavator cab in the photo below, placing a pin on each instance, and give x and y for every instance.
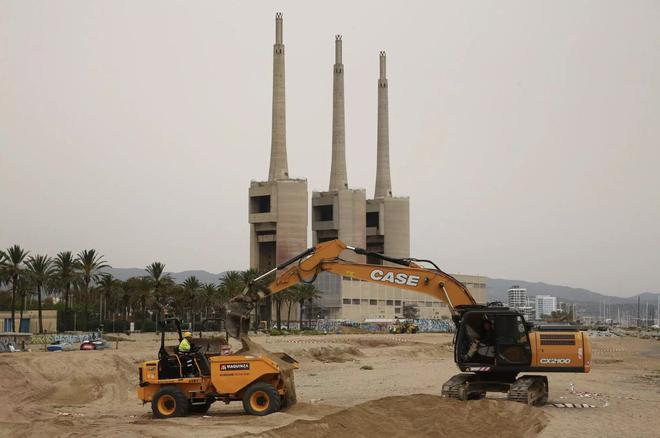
(494, 338)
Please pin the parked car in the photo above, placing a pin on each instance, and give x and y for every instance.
(97, 344)
(60, 346)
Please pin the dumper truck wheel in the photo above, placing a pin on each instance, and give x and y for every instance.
(261, 399)
(169, 402)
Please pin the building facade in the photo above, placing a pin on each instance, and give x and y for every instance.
(517, 299)
(545, 305)
(30, 321)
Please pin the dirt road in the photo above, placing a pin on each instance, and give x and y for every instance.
(365, 384)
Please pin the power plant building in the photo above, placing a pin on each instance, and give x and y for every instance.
(277, 207)
(278, 210)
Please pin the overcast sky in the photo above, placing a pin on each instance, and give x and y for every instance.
(527, 134)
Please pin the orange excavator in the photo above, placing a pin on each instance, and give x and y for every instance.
(493, 345)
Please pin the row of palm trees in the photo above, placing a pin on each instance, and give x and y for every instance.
(83, 287)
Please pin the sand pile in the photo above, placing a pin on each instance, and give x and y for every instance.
(42, 390)
(338, 354)
(375, 342)
(421, 415)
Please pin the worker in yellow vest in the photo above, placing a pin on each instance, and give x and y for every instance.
(185, 346)
(185, 352)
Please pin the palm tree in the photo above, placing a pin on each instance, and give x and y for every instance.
(126, 297)
(289, 297)
(13, 269)
(138, 289)
(107, 286)
(91, 264)
(67, 272)
(3, 264)
(40, 270)
(209, 292)
(231, 285)
(156, 277)
(306, 292)
(191, 285)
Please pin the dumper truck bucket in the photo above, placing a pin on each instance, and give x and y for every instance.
(288, 359)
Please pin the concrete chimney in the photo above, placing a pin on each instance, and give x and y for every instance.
(338, 176)
(383, 180)
(279, 168)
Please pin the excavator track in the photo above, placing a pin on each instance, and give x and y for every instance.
(459, 387)
(453, 386)
(531, 390)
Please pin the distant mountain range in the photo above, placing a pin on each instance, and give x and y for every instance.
(179, 277)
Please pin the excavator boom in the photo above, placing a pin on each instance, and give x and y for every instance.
(305, 267)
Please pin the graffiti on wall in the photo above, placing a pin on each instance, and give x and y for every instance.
(435, 326)
(425, 325)
(64, 337)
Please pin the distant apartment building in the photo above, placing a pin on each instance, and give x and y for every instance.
(545, 305)
(517, 299)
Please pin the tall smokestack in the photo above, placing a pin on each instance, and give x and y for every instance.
(338, 177)
(279, 168)
(383, 180)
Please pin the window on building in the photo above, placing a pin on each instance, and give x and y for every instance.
(397, 310)
(323, 213)
(372, 219)
(397, 302)
(365, 301)
(260, 204)
(346, 301)
(355, 301)
(373, 302)
(390, 302)
(428, 304)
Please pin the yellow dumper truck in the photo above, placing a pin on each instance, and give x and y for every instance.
(178, 383)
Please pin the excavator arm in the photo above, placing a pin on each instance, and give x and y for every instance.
(402, 273)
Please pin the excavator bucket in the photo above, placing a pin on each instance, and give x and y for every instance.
(237, 320)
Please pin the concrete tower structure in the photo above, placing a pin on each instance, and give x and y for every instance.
(338, 176)
(339, 212)
(279, 168)
(277, 207)
(383, 178)
(387, 217)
